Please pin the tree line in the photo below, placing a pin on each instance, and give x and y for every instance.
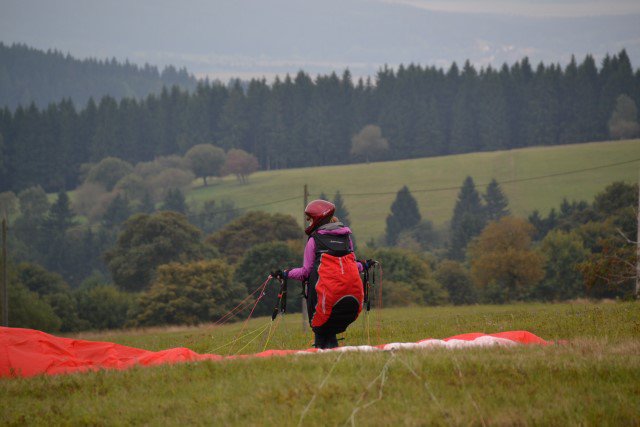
(299, 121)
(29, 75)
(578, 250)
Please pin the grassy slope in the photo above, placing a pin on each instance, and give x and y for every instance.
(368, 213)
(594, 379)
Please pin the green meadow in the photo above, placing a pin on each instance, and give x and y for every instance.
(369, 189)
(589, 375)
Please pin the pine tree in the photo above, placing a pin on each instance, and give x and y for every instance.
(468, 219)
(430, 132)
(54, 244)
(174, 201)
(404, 215)
(146, 204)
(117, 212)
(493, 127)
(4, 166)
(60, 217)
(341, 211)
(464, 130)
(496, 203)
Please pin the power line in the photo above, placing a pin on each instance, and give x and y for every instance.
(424, 190)
(511, 181)
(429, 190)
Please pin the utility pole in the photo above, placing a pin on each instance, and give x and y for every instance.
(305, 313)
(638, 244)
(3, 285)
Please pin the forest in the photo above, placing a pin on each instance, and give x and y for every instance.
(30, 75)
(176, 265)
(300, 121)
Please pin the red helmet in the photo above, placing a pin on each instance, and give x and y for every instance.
(318, 212)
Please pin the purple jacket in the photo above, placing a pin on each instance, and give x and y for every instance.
(335, 229)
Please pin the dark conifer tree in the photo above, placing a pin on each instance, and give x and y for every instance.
(3, 166)
(496, 203)
(464, 130)
(404, 215)
(341, 211)
(541, 125)
(430, 131)
(174, 201)
(146, 204)
(54, 245)
(117, 212)
(493, 126)
(468, 219)
(518, 82)
(543, 225)
(60, 217)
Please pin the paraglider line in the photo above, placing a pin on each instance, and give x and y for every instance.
(236, 309)
(254, 338)
(313, 398)
(262, 293)
(237, 339)
(382, 376)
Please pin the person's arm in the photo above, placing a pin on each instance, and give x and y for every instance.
(302, 273)
(358, 263)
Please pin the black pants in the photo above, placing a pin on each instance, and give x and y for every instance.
(324, 341)
(343, 313)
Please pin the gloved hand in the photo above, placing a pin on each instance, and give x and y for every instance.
(367, 264)
(280, 274)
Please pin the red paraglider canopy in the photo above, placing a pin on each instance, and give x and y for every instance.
(27, 352)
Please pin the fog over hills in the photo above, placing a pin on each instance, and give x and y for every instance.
(228, 38)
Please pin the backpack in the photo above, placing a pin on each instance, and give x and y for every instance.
(335, 291)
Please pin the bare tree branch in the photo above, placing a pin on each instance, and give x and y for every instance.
(624, 236)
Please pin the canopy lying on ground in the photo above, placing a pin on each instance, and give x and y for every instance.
(27, 352)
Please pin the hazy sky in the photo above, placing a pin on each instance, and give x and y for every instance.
(236, 38)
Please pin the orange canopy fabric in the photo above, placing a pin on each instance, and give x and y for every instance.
(27, 352)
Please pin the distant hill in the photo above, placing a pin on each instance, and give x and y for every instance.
(31, 75)
(532, 178)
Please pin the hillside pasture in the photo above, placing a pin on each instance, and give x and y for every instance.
(369, 189)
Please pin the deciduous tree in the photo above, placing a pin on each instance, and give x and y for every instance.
(563, 253)
(241, 164)
(624, 119)
(408, 278)
(457, 281)
(190, 293)
(205, 160)
(148, 241)
(502, 256)
(234, 239)
(369, 143)
(104, 306)
(108, 172)
(256, 264)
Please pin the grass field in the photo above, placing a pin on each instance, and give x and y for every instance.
(368, 212)
(591, 379)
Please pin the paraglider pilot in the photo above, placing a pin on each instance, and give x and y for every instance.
(334, 289)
